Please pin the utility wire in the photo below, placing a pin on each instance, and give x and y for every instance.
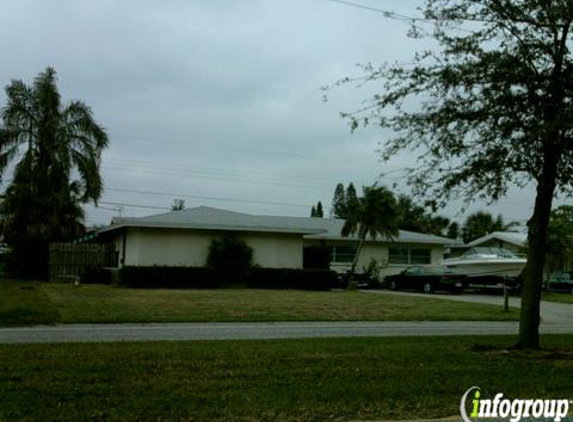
(265, 152)
(211, 198)
(134, 205)
(386, 13)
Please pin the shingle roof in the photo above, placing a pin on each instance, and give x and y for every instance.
(207, 218)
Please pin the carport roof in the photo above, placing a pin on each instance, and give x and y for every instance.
(515, 238)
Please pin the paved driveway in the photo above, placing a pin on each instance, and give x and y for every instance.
(551, 312)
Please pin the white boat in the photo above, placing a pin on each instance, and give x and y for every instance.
(484, 262)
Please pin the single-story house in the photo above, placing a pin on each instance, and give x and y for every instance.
(182, 238)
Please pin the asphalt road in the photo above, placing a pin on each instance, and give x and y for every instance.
(259, 330)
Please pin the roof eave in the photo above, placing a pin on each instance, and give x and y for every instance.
(214, 227)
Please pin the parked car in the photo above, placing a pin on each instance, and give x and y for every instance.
(427, 278)
(560, 283)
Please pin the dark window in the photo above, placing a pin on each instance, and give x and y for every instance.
(409, 256)
(398, 256)
(420, 256)
(343, 254)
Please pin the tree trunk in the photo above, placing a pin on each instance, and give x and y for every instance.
(536, 252)
(355, 261)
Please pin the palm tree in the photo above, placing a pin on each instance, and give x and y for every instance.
(52, 143)
(375, 213)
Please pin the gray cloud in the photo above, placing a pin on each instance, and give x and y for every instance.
(217, 99)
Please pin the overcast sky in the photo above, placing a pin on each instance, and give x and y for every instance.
(218, 102)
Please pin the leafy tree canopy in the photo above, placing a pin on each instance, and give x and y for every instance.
(560, 231)
(416, 218)
(483, 223)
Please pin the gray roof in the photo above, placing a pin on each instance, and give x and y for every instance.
(207, 218)
(515, 238)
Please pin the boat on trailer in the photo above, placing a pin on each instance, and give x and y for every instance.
(488, 267)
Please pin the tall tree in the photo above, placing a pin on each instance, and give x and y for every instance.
(495, 108)
(339, 202)
(375, 213)
(351, 199)
(453, 230)
(319, 211)
(54, 144)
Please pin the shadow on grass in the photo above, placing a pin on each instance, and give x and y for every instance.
(24, 303)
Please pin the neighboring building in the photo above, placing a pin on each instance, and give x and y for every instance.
(514, 241)
(517, 243)
(182, 238)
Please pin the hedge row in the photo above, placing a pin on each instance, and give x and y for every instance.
(208, 278)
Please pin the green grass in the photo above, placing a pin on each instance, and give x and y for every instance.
(558, 297)
(280, 380)
(67, 303)
(25, 303)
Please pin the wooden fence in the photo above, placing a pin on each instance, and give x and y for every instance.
(68, 261)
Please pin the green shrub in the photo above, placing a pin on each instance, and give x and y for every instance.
(231, 258)
(286, 278)
(96, 275)
(316, 257)
(209, 278)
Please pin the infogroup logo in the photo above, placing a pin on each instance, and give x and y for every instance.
(514, 410)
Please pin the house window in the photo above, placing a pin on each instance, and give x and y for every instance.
(343, 254)
(420, 256)
(409, 256)
(398, 256)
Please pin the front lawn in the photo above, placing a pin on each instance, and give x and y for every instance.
(25, 303)
(558, 297)
(67, 303)
(281, 380)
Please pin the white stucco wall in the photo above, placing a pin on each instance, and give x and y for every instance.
(145, 247)
(275, 250)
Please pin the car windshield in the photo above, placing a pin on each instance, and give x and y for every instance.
(490, 252)
(435, 269)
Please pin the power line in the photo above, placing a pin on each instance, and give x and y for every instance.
(217, 170)
(386, 13)
(476, 19)
(223, 178)
(210, 198)
(244, 150)
(133, 205)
